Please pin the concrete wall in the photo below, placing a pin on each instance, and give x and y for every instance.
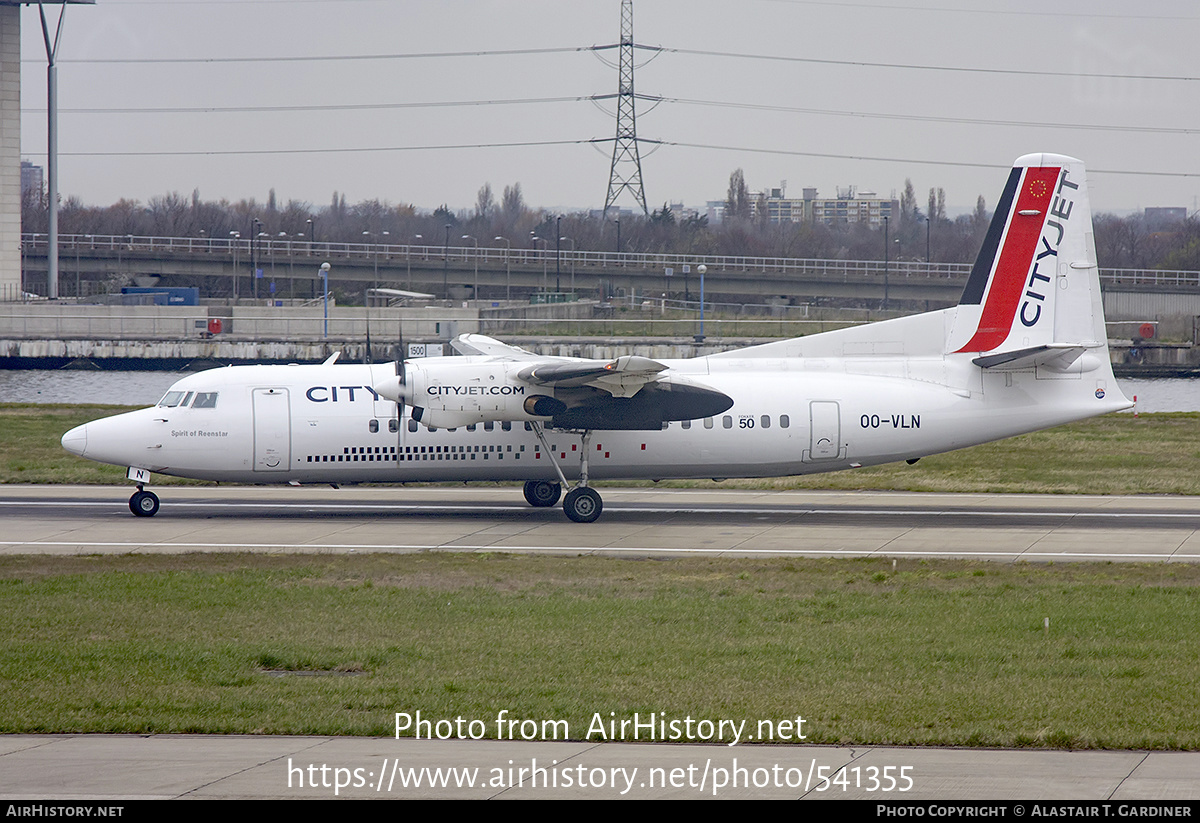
(10, 152)
(1149, 305)
(66, 321)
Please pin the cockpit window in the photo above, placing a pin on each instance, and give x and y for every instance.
(205, 400)
(172, 399)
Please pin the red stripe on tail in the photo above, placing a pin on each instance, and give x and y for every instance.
(1015, 259)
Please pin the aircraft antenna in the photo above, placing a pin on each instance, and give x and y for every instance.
(626, 171)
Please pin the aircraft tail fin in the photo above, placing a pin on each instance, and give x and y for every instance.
(1033, 296)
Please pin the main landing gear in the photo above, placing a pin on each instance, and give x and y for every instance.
(143, 503)
(582, 503)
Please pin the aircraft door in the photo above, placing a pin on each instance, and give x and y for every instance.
(272, 430)
(825, 430)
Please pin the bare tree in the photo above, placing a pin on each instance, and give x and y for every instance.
(485, 204)
(737, 201)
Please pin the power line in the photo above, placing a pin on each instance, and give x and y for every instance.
(674, 143)
(907, 160)
(313, 107)
(868, 115)
(339, 150)
(574, 49)
(919, 66)
(317, 58)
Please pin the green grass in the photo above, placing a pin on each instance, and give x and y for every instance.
(933, 653)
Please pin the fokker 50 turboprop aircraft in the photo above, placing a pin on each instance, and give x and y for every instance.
(1024, 349)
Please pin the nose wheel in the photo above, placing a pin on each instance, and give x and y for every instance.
(144, 503)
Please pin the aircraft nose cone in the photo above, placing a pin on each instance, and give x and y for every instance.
(75, 441)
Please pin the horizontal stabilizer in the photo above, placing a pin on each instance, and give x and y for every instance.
(1052, 355)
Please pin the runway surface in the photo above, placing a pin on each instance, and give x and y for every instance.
(636, 521)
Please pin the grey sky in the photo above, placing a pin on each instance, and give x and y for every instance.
(982, 119)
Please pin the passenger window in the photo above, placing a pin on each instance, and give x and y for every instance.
(727, 422)
(506, 426)
(412, 425)
(471, 427)
(766, 421)
(708, 424)
(393, 425)
(687, 424)
(373, 425)
(489, 426)
(205, 400)
(784, 422)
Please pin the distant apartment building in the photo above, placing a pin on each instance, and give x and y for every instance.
(850, 206)
(1161, 217)
(31, 178)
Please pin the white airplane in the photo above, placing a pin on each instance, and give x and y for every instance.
(1025, 349)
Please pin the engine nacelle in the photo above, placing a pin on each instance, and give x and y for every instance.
(458, 391)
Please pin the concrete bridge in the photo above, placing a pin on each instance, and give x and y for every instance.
(225, 267)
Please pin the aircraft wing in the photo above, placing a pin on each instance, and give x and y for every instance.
(480, 344)
(623, 377)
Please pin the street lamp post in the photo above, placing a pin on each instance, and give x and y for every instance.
(375, 246)
(507, 267)
(446, 264)
(928, 223)
(533, 241)
(572, 242)
(325, 298)
(236, 235)
(558, 254)
(886, 251)
(475, 243)
(254, 235)
(408, 260)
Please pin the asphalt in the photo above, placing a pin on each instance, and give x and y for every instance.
(637, 522)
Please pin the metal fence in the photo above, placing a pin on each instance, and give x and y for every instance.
(265, 249)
